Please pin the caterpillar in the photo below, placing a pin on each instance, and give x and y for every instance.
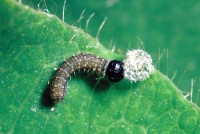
(136, 67)
(112, 69)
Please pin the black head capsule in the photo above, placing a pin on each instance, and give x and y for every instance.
(115, 70)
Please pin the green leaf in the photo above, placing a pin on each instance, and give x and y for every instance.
(33, 43)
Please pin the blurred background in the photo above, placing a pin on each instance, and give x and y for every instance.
(168, 30)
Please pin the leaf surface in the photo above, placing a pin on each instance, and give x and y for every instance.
(33, 43)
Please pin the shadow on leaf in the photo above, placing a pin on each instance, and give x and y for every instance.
(46, 97)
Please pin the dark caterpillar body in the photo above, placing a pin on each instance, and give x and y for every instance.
(75, 63)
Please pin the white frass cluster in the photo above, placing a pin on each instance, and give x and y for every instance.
(137, 65)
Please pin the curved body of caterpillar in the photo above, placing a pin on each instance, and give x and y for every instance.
(75, 63)
(136, 67)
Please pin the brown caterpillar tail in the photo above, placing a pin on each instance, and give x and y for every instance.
(75, 63)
